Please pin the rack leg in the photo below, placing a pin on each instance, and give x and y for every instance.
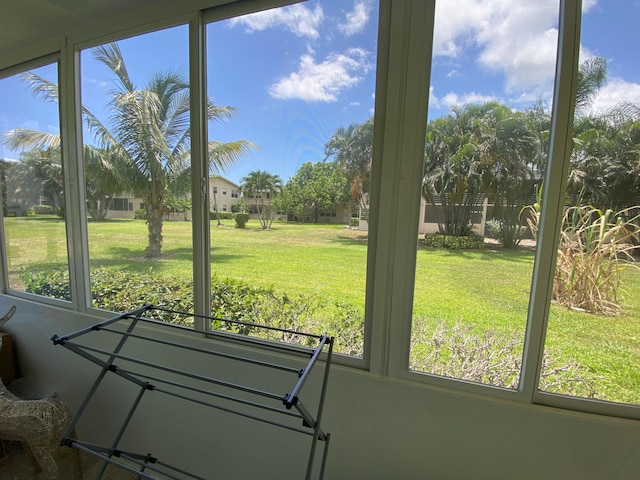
(114, 445)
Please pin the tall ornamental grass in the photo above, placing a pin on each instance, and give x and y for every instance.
(595, 248)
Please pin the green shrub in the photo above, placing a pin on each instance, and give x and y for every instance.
(43, 209)
(451, 242)
(121, 291)
(53, 284)
(30, 212)
(355, 222)
(140, 214)
(241, 219)
(492, 229)
(220, 215)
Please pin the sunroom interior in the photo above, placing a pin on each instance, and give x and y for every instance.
(385, 419)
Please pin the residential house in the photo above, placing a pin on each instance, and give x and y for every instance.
(223, 194)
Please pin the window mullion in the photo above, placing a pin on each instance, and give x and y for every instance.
(553, 192)
(199, 169)
(73, 171)
(402, 156)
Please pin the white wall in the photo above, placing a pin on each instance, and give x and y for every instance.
(381, 429)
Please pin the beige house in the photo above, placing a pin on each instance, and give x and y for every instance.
(223, 194)
(123, 207)
(428, 222)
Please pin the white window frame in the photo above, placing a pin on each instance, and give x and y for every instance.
(403, 73)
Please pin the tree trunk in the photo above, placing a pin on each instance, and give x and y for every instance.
(154, 224)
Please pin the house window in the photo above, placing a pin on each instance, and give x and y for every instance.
(234, 194)
(121, 204)
(215, 189)
(224, 208)
(33, 187)
(224, 191)
(327, 214)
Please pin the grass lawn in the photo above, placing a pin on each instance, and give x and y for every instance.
(487, 288)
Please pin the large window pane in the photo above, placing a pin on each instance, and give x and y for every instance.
(31, 174)
(485, 155)
(135, 94)
(301, 81)
(593, 322)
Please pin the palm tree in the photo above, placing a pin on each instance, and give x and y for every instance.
(460, 154)
(263, 186)
(352, 149)
(102, 182)
(606, 160)
(37, 173)
(515, 173)
(592, 75)
(588, 157)
(147, 137)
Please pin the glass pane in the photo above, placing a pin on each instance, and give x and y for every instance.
(135, 94)
(300, 81)
(485, 155)
(593, 324)
(32, 183)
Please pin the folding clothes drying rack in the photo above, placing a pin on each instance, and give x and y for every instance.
(286, 411)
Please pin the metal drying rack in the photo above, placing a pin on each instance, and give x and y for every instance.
(286, 411)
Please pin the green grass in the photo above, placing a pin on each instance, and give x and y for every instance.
(315, 260)
(488, 288)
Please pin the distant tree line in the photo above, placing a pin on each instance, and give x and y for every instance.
(490, 151)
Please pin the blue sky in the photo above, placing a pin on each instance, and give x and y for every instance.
(298, 73)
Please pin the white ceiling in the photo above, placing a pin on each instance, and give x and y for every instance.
(28, 22)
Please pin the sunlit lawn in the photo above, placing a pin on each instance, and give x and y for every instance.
(487, 288)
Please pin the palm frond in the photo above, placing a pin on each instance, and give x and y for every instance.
(102, 135)
(41, 87)
(177, 120)
(622, 113)
(110, 55)
(224, 155)
(219, 113)
(592, 75)
(137, 127)
(26, 139)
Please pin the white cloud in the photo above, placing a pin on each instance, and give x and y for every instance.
(98, 83)
(434, 102)
(298, 19)
(356, 19)
(515, 37)
(614, 92)
(452, 99)
(323, 82)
